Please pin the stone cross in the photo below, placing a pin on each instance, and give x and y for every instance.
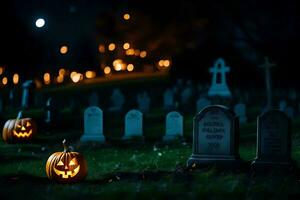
(219, 86)
(267, 66)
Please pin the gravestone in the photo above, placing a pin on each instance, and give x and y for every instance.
(202, 103)
(168, 99)
(133, 124)
(215, 138)
(93, 125)
(289, 111)
(240, 111)
(51, 111)
(218, 85)
(143, 101)
(94, 99)
(273, 141)
(174, 126)
(186, 95)
(267, 66)
(27, 95)
(282, 105)
(118, 100)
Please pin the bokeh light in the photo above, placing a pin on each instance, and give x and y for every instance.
(40, 22)
(47, 78)
(16, 79)
(63, 49)
(4, 80)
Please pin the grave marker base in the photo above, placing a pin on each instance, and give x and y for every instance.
(93, 138)
(224, 161)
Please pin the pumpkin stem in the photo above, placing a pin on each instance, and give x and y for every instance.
(20, 115)
(66, 149)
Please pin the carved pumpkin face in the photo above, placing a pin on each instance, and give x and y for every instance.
(66, 167)
(23, 128)
(18, 130)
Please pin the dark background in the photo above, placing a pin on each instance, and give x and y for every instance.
(192, 33)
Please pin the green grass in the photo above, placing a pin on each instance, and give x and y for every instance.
(140, 171)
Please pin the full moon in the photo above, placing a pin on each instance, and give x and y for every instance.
(40, 23)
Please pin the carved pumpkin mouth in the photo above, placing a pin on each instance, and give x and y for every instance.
(22, 134)
(68, 173)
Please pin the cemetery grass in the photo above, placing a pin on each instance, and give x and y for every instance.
(136, 171)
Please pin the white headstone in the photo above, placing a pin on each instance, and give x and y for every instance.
(143, 101)
(168, 99)
(133, 124)
(219, 86)
(240, 111)
(174, 126)
(117, 99)
(93, 125)
(202, 103)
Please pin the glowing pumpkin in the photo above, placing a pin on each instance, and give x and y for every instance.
(66, 166)
(19, 130)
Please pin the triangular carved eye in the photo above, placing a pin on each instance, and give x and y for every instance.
(60, 163)
(72, 162)
(28, 124)
(19, 126)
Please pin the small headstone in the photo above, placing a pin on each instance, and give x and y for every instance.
(143, 101)
(218, 85)
(186, 95)
(282, 105)
(273, 141)
(133, 124)
(169, 99)
(27, 95)
(202, 103)
(240, 111)
(289, 111)
(93, 125)
(215, 137)
(51, 110)
(94, 99)
(174, 126)
(117, 100)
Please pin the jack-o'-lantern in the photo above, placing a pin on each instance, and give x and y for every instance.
(19, 129)
(66, 166)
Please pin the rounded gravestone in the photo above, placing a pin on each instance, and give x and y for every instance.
(215, 137)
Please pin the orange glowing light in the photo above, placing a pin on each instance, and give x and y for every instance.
(107, 70)
(130, 52)
(101, 48)
(166, 63)
(60, 79)
(126, 16)
(47, 78)
(130, 67)
(1, 70)
(16, 79)
(62, 72)
(4, 80)
(63, 49)
(90, 74)
(126, 46)
(111, 46)
(143, 54)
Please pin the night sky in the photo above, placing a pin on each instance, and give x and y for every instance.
(242, 32)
